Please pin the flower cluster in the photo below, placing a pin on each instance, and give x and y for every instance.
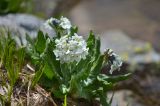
(63, 23)
(114, 60)
(70, 48)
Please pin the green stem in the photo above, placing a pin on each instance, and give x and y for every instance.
(65, 100)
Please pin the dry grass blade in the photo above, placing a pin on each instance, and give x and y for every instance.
(45, 94)
(28, 94)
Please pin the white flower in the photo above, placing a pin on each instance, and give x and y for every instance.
(65, 23)
(48, 24)
(70, 48)
(115, 61)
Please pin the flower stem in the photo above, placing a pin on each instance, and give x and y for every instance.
(65, 100)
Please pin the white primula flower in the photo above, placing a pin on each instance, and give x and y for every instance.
(115, 61)
(70, 48)
(65, 23)
(51, 22)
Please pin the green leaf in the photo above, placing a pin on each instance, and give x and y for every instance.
(58, 94)
(20, 56)
(37, 76)
(66, 72)
(50, 59)
(74, 30)
(75, 86)
(20, 60)
(113, 79)
(48, 71)
(103, 99)
(106, 85)
(51, 84)
(97, 48)
(8, 60)
(29, 39)
(97, 66)
(84, 72)
(82, 66)
(40, 43)
(91, 42)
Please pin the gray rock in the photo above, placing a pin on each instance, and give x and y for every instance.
(132, 51)
(26, 21)
(20, 24)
